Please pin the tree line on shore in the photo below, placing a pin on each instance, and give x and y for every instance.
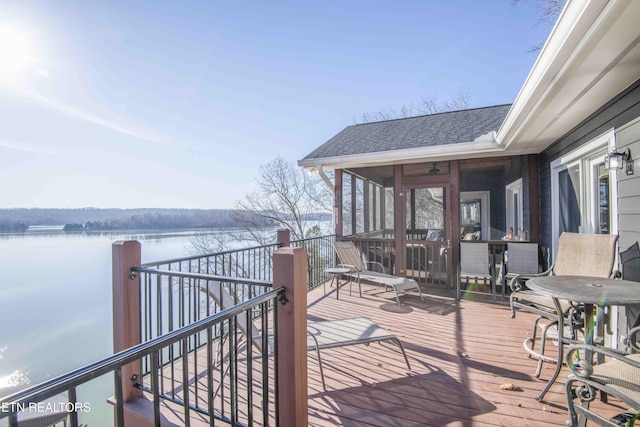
(95, 219)
(285, 197)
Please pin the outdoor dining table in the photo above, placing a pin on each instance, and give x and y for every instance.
(593, 292)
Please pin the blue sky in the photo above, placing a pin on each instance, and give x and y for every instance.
(177, 103)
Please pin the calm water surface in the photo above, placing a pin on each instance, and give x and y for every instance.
(55, 306)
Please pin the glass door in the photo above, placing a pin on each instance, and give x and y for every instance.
(582, 191)
(426, 234)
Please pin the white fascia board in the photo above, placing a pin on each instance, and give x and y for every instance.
(486, 144)
(574, 21)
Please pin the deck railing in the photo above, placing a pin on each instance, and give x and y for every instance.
(258, 390)
(255, 262)
(426, 261)
(171, 300)
(177, 292)
(189, 338)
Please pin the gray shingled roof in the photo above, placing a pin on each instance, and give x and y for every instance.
(451, 127)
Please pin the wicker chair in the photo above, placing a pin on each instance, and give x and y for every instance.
(578, 255)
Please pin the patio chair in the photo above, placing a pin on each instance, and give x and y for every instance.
(216, 290)
(474, 264)
(619, 376)
(630, 266)
(320, 335)
(578, 255)
(344, 332)
(351, 258)
(521, 259)
(630, 269)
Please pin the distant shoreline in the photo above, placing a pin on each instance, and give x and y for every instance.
(37, 220)
(148, 233)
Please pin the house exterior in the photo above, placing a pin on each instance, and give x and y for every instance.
(409, 190)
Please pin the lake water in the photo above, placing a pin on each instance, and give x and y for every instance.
(55, 306)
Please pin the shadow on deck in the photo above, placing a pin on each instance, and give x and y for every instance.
(460, 353)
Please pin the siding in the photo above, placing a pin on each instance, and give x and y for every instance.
(628, 136)
(621, 113)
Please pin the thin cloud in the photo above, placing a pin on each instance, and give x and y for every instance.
(87, 117)
(23, 147)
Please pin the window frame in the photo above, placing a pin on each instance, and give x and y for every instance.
(587, 158)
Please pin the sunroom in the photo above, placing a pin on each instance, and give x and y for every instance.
(408, 191)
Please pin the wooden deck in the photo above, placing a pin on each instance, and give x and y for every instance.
(460, 355)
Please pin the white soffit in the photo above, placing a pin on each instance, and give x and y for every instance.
(592, 55)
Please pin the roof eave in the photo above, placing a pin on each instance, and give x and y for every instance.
(483, 146)
(584, 63)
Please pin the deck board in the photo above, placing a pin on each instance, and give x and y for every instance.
(460, 354)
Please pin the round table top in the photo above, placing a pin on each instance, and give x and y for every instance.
(587, 290)
(337, 270)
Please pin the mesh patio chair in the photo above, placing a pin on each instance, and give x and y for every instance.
(321, 335)
(578, 255)
(521, 260)
(619, 377)
(474, 267)
(351, 258)
(630, 266)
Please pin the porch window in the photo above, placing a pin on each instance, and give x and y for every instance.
(474, 215)
(570, 216)
(603, 201)
(347, 224)
(581, 190)
(425, 212)
(367, 206)
(388, 211)
(359, 205)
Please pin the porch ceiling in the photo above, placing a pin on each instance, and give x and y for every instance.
(592, 54)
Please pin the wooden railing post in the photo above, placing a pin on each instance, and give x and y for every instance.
(126, 310)
(284, 238)
(289, 270)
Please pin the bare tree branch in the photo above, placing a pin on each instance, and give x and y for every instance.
(287, 197)
(427, 105)
(548, 12)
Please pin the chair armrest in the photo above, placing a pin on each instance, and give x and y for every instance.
(349, 266)
(583, 369)
(382, 269)
(631, 341)
(515, 284)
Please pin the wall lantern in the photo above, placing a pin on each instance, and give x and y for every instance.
(615, 160)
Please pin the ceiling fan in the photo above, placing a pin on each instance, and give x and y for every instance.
(434, 170)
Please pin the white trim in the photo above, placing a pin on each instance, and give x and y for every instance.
(551, 53)
(585, 31)
(511, 189)
(614, 189)
(478, 148)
